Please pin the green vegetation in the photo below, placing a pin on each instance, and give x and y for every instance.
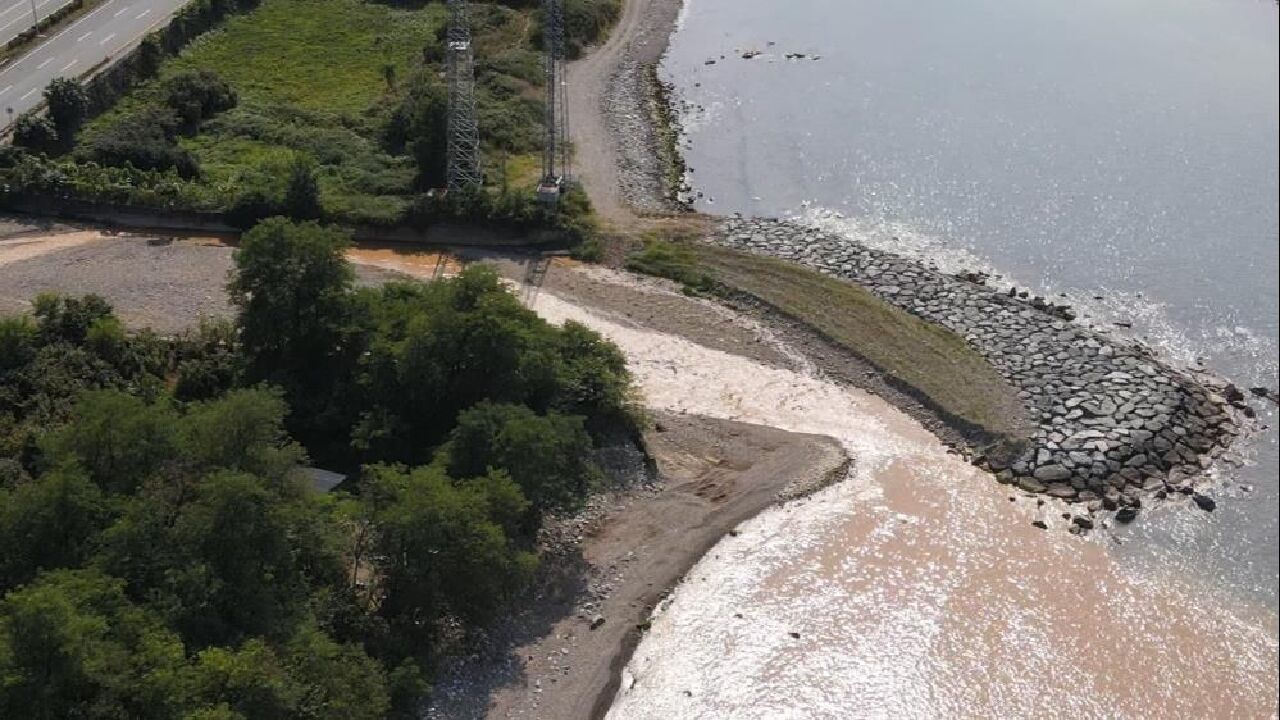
(165, 556)
(351, 90)
(914, 354)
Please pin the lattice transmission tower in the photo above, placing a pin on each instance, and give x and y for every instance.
(555, 150)
(463, 145)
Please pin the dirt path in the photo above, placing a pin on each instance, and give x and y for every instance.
(640, 35)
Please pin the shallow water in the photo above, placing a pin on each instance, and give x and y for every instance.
(1121, 152)
(914, 589)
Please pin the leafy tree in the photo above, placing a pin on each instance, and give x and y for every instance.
(546, 455)
(73, 646)
(118, 438)
(247, 682)
(243, 431)
(337, 682)
(35, 132)
(75, 345)
(238, 578)
(68, 106)
(443, 349)
(311, 677)
(291, 285)
(218, 556)
(593, 376)
(207, 361)
(297, 330)
(302, 192)
(49, 523)
(444, 547)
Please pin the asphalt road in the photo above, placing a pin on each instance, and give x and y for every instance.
(112, 27)
(15, 15)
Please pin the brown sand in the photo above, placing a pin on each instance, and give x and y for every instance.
(714, 475)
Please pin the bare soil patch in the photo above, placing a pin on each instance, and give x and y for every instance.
(166, 284)
(562, 656)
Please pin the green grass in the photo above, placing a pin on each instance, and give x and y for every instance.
(326, 56)
(311, 78)
(927, 358)
(336, 83)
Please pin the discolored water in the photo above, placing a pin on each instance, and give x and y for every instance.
(1123, 152)
(915, 588)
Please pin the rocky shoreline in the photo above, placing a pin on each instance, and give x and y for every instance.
(1114, 424)
(639, 112)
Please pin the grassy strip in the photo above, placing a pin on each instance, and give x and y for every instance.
(315, 78)
(48, 25)
(934, 362)
(667, 128)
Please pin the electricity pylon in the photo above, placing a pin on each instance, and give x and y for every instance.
(555, 149)
(463, 144)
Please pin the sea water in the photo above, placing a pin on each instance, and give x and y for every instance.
(1121, 152)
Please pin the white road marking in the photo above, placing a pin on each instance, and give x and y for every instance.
(20, 6)
(74, 25)
(46, 62)
(106, 39)
(6, 89)
(82, 37)
(143, 14)
(27, 94)
(120, 11)
(68, 65)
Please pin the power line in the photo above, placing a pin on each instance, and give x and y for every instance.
(463, 144)
(555, 149)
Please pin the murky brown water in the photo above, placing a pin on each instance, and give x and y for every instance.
(417, 264)
(914, 589)
(917, 588)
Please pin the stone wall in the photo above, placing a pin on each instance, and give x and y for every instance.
(1112, 420)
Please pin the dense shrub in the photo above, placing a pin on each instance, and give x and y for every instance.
(302, 193)
(196, 95)
(35, 132)
(163, 544)
(546, 455)
(586, 22)
(68, 106)
(144, 140)
(419, 126)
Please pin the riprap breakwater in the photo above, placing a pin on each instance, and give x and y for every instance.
(1112, 422)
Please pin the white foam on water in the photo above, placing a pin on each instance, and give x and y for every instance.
(914, 589)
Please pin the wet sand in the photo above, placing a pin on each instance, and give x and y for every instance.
(917, 589)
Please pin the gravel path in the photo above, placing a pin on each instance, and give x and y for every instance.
(616, 151)
(164, 284)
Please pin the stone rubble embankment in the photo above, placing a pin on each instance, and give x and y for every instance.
(628, 104)
(1112, 421)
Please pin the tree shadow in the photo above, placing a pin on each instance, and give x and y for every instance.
(466, 683)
